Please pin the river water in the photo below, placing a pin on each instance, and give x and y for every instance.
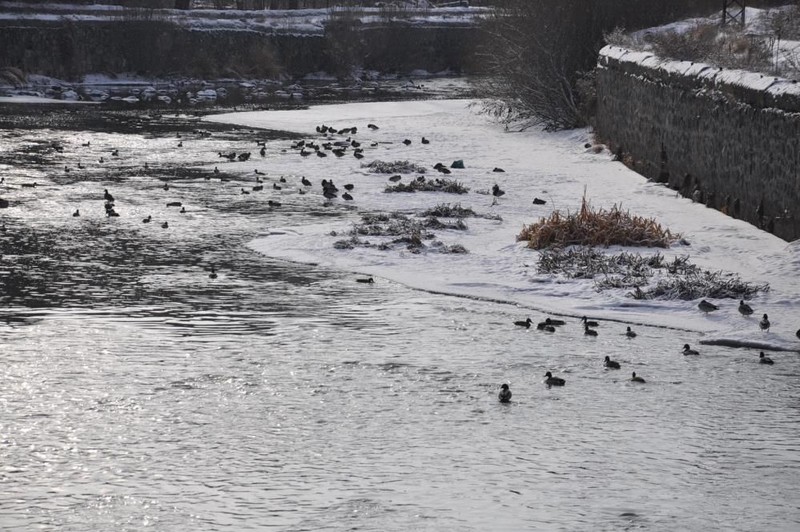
(138, 393)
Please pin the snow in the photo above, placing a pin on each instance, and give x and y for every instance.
(291, 22)
(554, 167)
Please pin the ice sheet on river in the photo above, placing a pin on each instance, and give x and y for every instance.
(554, 167)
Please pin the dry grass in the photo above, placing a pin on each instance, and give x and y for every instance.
(589, 227)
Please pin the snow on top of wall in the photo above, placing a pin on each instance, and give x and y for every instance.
(707, 74)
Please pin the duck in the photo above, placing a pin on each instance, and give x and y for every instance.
(707, 307)
(745, 309)
(347, 197)
(213, 274)
(358, 155)
(526, 323)
(497, 191)
(764, 323)
(505, 394)
(166, 186)
(611, 364)
(588, 323)
(244, 191)
(276, 186)
(368, 280)
(273, 203)
(538, 201)
(407, 142)
(147, 220)
(688, 350)
(76, 213)
(395, 178)
(543, 326)
(425, 141)
(349, 186)
(629, 333)
(553, 381)
(183, 210)
(165, 225)
(107, 196)
(764, 359)
(589, 331)
(305, 182)
(634, 378)
(557, 323)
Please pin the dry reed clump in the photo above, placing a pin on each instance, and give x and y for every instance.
(589, 227)
(404, 231)
(395, 167)
(430, 185)
(646, 277)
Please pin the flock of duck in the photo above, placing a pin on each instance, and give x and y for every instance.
(551, 325)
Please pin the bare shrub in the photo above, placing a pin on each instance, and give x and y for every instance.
(588, 227)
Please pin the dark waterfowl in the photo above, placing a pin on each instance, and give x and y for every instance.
(395, 178)
(707, 307)
(498, 169)
(745, 309)
(407, 142)
(505, 394)
(165, 225)
(526, 323)
(629, 333)
(368, 280)
(634, 378)
(764, 323)
(610, 363)
(425, 141)
(273, 203)
(258, 188)
(147, 220)
(349, 186)
(588, 323)
(305, 182)
(553, 381)
(688, 350)
(588, 331)
(76, 213)
(107, 196)
(213, 274)
(347, 197)
(557, 323)
(497, 191)
(764, 359)
(537, 201)
(543, 326)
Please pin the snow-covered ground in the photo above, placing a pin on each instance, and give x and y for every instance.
(554, 167)
(273, 21)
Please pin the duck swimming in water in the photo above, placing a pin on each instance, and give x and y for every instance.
(588, 331)
(689, 351)
(610, 363)
(764, 323)
(505, 394)
(543, 326)
(764, 359)
(629, 333)
(634, 378)
(745, 309)
(553, 381)
(526, 323)
(213, 274)
(550, 321)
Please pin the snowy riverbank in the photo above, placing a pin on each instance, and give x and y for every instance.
(554, 167)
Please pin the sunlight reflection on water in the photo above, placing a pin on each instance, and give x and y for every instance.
(138, 393)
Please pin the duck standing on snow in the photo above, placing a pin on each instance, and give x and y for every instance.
(707, 307)
(764, 359)
(505, 394)
(588, 323)
(745, 309)
(688, 350)
(764, 323)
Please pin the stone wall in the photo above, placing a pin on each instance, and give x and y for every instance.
(730, 139)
